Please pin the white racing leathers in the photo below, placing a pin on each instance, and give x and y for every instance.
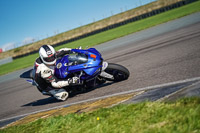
(47, 73)
(44, 76)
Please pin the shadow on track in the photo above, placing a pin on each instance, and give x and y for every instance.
(45, 101)
(51, 100)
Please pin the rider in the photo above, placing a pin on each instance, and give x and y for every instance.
(44, 67)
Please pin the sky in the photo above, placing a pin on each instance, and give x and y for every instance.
(25, 21)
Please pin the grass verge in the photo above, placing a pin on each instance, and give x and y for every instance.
(109, 35)
(180, 116)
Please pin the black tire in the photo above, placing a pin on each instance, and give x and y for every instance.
(119, 72)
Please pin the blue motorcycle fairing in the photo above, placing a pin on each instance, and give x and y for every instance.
(89, 61)
(61, 67)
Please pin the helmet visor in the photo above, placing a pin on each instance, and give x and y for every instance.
(50, 59)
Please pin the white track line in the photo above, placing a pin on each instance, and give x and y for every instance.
(116, 94)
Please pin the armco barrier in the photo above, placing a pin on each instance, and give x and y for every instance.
(143, 16)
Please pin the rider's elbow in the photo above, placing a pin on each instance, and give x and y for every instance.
(55, 85)
(59, 84)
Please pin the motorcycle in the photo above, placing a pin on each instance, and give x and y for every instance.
(88, 65)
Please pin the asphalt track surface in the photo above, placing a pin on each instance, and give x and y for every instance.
(162, 54)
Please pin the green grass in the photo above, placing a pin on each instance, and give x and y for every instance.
(181, 116)
(109, 35)
(18, 64)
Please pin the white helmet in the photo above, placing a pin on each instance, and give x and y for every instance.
(47, 54)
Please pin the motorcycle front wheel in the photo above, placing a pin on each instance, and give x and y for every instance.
(117, 72)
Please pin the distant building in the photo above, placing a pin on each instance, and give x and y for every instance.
(1, 50)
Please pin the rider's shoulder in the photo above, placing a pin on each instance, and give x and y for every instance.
(42, 67)
(39, 63)
(39, 60)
